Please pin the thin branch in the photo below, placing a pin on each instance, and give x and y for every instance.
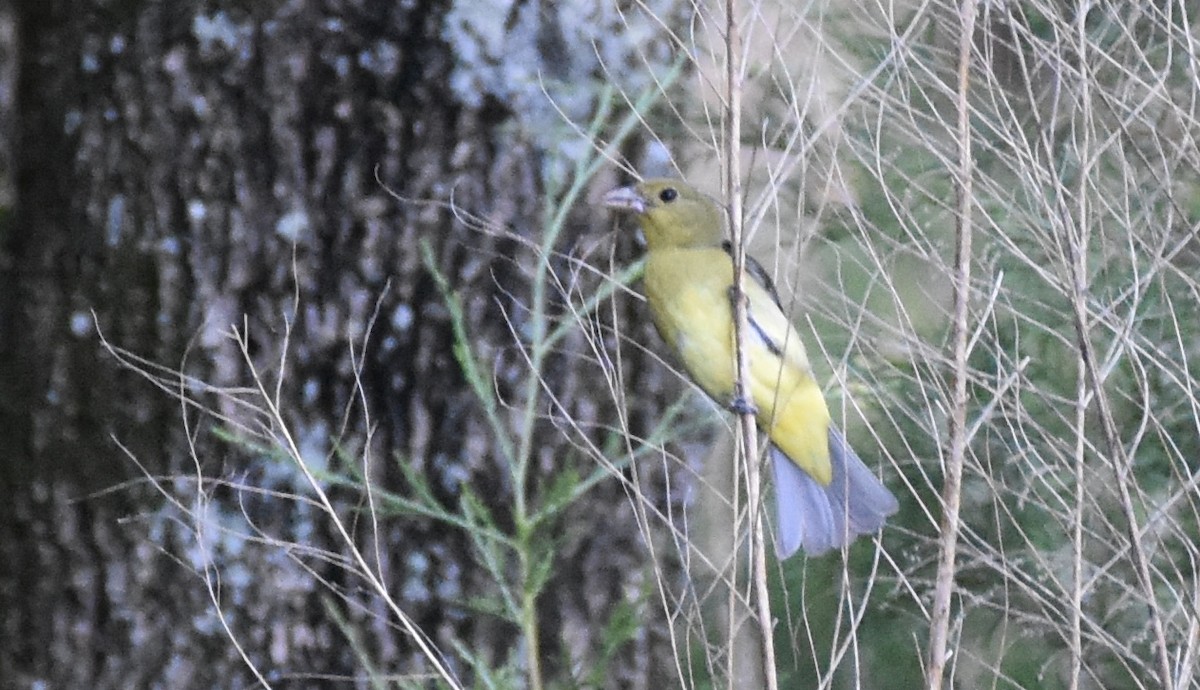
(747, 429)
(1075, 248)
(952, 488)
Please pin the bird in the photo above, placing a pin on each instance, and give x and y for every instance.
(825, 495)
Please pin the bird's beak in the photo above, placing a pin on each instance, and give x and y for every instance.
(625, 199)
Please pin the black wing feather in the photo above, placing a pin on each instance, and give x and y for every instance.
(759, 275)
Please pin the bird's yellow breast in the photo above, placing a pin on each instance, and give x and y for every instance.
(687, 288)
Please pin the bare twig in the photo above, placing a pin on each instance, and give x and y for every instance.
(952, 487)
(747, 429)
(1075, 248)
(271, 404)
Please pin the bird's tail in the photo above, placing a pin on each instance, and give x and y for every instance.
(820, 518)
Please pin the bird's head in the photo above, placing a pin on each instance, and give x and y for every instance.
(672, 214)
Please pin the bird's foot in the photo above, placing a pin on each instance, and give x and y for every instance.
(740, 405)
(734, 295)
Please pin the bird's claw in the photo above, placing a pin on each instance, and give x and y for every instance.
(734, 295)
(740, 405)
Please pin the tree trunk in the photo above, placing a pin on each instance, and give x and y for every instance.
(176, 174)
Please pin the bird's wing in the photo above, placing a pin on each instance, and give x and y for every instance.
(769, 324)
(791, 406)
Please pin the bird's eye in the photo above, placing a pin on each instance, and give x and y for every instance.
(668, 195)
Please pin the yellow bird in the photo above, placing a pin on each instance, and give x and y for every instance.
(825, 496)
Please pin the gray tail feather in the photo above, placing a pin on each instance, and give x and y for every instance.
(819, 518)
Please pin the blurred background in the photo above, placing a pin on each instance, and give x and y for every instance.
(321, 367)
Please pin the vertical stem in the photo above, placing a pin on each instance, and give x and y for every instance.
(1076, 243)
(747, 430)
(529, 621)
(1118, 457)
(1081, 405)
(952, 488)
